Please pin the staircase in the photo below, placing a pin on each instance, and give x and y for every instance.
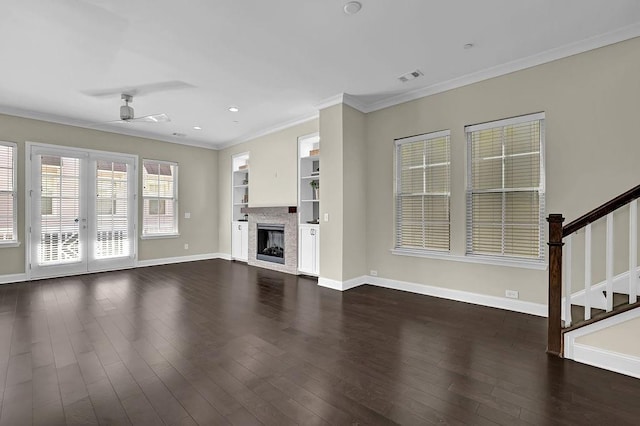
(595, 306)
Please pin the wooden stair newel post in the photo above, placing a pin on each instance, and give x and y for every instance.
(554, 339)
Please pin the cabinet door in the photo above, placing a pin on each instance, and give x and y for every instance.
(316, 252)
(244, 237)
(306, 252)
(236, 240)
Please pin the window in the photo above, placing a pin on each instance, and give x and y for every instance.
(8, 194)
(160, 195)
(505, 187)
(422, 192)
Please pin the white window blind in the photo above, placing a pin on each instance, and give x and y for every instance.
(505, 187)
(422, 192)
(160, 198)
(8, 193)
(112, 210)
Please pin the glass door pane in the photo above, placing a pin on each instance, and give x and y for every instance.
(112, 210)
(60, 217)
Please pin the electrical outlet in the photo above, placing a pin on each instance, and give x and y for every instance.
(186, 246)
(326, 217)
(187, 215)
(511, 294)
(373, 273)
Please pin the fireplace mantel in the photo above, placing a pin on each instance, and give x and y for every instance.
(270, 210)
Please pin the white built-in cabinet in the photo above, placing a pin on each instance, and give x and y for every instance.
(240, 241)
(309, 204)
(239, 199)
(309, 249)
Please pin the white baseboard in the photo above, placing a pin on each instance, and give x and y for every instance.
(609, 360)
(342, 285)
(180, 259)
(531, 308)
(12, 278)
(223, 256)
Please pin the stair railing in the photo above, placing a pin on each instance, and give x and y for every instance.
(560, 236)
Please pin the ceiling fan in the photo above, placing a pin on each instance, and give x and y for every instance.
(127, 114)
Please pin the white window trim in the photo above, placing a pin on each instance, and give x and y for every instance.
(14, 242)
(396, 144)
(513, 262)
(156, 236)
(500, 259)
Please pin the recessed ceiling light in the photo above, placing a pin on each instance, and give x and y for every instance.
(197, 128)
(352, 7)
(468, 46)
(234, 109)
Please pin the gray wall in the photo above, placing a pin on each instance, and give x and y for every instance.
(591, 105)
(273, 174)
(198, 186)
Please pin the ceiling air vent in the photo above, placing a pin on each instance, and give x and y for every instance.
(410, 76)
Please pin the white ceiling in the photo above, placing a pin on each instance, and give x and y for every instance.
(277, 60)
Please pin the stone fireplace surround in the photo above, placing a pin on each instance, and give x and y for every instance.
(286, 216)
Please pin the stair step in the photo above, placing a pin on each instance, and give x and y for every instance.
(620, 304)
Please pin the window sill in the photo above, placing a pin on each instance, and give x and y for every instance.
(486, 260)
(9, 244)
(158, 236)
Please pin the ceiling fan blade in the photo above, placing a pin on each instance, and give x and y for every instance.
(154, 118)
(138, 90)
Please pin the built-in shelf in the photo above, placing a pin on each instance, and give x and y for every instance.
(239, 200)
(239, 185)
(309, 203)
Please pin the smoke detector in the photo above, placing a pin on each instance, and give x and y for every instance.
(352, 7)
(410, 76)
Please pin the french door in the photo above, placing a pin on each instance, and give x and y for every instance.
(82, 211)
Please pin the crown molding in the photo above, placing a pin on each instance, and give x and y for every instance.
(354, 101)
(270, 130)
(561, 52)
(342, 98)
(126, 131)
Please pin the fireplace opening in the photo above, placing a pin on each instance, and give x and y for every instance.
(270, 242)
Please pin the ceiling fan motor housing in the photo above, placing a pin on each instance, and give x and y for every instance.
(126, 112)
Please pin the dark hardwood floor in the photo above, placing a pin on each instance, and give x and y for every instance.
(217, 342)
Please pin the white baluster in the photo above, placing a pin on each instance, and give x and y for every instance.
(609, 262)
(587, 273)
(567, 280)
(633, 251)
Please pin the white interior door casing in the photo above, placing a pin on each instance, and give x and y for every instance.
(82, 211)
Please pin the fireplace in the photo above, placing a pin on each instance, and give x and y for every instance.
(270, 242)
